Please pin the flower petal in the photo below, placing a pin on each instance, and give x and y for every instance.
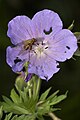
(18, 67)
(49, 68)
(15, 60)
(43, 67)
(62, 46)
(46, 21)
(19, 29)
(11, 55)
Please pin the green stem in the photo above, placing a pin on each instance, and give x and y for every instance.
(29, 85)
(53, 116)
(38, 86)
(34, 86)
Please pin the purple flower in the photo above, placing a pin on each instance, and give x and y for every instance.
(41, 41)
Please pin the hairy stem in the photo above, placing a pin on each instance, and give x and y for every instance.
(38, 86)
(29, 89)
(53, 116)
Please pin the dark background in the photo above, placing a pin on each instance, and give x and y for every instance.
(68, 78)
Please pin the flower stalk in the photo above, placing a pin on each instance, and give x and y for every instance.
(29, 85)
(53, 116)
(38, 86)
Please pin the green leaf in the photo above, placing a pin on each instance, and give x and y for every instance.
(71, 26)
(14, 96)
(55, 109)
(23, 94)
(7, 100)
(58, 99)
(43, 108)
(20, 110)
(14, 117)
(30, 117)
(53, 95)
(8, 116)
(20, 104)
(44, 95)
(20, 117)
(14, 108)
(30, 104)
(40, 117)
(24, 117)
(20, 83)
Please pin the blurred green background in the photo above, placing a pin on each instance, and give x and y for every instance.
(68, 78)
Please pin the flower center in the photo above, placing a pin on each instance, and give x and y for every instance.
(40, 48)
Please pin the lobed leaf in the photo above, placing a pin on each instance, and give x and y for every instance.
(20, 117)
(14, 96)
(7, 100)
(20, 83)
(55, 109)
(14, 117)
(8, 116)
(40, 117)
(53, 95)
(44, 95)
(43, 108)
(58, 99)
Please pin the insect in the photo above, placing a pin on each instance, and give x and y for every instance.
(28, 43)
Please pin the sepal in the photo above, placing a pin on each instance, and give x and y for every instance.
(71, 26)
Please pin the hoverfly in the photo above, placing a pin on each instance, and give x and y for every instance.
(28, 43)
